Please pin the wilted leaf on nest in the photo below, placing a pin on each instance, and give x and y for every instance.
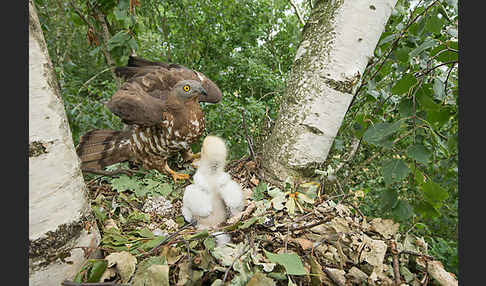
(258, 259)
(260, 279)
(125, 264)
(374, 252)
(108, 274)
(225, 254)
(290, 261)
(386, 227)
(304, 243)
(110, 223)
(290, 205)
(407, 274)
(305, 198)
(357, 276)
(338, 274)
(278, 198)
(143, 266)
(155, 275)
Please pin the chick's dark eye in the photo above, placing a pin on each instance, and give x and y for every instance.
(186, 88)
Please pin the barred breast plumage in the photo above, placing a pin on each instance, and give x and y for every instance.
(159, 128)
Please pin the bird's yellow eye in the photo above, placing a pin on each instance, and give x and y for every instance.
(187, 88)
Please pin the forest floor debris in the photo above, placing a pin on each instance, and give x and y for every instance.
(290, 235)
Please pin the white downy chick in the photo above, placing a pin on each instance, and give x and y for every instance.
(214, 196)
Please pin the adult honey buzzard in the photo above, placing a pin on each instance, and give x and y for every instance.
(160, 103)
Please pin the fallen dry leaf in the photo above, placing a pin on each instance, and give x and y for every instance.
(386, 227)
(304, 243)
(125, 264)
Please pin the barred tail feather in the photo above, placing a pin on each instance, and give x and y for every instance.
(100, 148)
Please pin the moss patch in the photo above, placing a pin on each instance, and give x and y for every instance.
(37, 148)
(52, 245)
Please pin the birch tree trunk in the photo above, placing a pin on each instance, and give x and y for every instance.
(337, 42)
(59, 213)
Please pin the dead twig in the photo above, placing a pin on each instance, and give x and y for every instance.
(189, 257)
(322, 221)
(245, 250)
(71, 283)
(287, 237)
(107, 173)
(447, 78)
(396, 271)
(248, 138)
(416, 254)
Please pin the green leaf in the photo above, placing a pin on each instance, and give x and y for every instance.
(405, 108)
(419, 152)
(290, 261)
(360, 125)
(394, 170)
(248, 223)
(259, 191)
(438, 89)
(402, 54)
(438, 116)
(146, 246)
(434, 193)
(119, 39)
(404, 84)
(379, 132)
(97, 269)
(434, 24)
(426, 210)
(424, 98)
(209, 243)
(403, 210)
(419, 177)
(448, 56)
(389, 199)
(427, 44)
(145, 232)
(201, 234)
(125, 183)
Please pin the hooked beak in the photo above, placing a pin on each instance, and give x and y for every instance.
(203, 92)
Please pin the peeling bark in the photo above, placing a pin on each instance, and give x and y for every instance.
(338, 39)
(59, 213)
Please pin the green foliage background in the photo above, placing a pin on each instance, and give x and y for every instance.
(404, 112)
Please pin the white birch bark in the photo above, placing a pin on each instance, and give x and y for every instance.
(338, 40)
(59, 211)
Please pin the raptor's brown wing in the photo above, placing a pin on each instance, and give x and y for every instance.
(134, 105)
(168, 75)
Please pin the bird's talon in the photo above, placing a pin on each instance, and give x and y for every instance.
(179, 176)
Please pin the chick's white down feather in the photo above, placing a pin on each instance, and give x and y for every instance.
(213, 194)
